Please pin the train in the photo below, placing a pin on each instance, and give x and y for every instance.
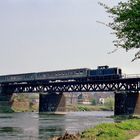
(101, 73)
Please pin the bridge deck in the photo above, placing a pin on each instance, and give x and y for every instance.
(116, 85)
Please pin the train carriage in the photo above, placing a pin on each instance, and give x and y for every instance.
(17, 78)
(62, 74)
(83, 74)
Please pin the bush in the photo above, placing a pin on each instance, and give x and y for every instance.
(109, 103)
(94, 102)
(83, 108)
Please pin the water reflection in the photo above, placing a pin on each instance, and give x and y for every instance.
(22, 126)
(51, 125)
(34, 126)
(11, 130)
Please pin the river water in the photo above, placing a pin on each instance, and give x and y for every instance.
(35, 126)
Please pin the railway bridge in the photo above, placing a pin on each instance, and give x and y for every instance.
(126, 90)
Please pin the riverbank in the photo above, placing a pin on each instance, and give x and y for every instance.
(80, 107)
(124, 130)
(24, 104)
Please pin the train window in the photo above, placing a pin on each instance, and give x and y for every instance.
(115, 70)
(103, 67)
(2, 78)
(59, 74)
(47, 74)
(66, 73)
(71, 73)
(42, 74)
(81, 72)
(56, 74)
(27, 76)
(77, 72)
(63, 74)
(39, 75)
(120, 71)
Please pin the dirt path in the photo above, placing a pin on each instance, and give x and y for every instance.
(136, 138)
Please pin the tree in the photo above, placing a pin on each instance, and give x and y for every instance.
(109, 102)
(126, 25)
(94, 102)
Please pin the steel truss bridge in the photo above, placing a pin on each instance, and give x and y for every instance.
(118, 85)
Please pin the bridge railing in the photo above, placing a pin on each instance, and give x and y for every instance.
(131, 76)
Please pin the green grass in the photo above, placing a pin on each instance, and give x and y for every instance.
(6, 109)
(113, 131)
(86, 108)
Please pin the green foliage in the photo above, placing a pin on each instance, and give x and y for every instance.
(114, 131)
(94, 102)
(87, 108)
(83, 108)
(109, 103)
(104, 131)
(133, 124)
(6, 109)
(126, 24)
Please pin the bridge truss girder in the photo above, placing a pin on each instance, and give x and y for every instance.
(121, 85)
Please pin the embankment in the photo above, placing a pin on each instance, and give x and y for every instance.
(124, 130)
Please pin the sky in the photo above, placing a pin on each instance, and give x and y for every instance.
(47, 35)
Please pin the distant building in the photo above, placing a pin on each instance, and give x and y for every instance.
(85, 98)
(71, 98)
(101, 100)
(101, 96)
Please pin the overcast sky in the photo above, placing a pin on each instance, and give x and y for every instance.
(42, 35)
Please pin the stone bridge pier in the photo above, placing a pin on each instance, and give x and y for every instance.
(52, 102)
(5, 100)
(127, 103)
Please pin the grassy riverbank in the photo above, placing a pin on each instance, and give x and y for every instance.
(115, 131)
(79, 107)
(125, 130)
(27, 106)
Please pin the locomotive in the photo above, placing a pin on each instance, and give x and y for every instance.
(101, 73)
(104, 72)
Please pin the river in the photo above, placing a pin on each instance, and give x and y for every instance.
(35, 126)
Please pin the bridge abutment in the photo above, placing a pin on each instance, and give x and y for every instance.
(137, 108)
(52, 103)
(5, 100)
(127, 103)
